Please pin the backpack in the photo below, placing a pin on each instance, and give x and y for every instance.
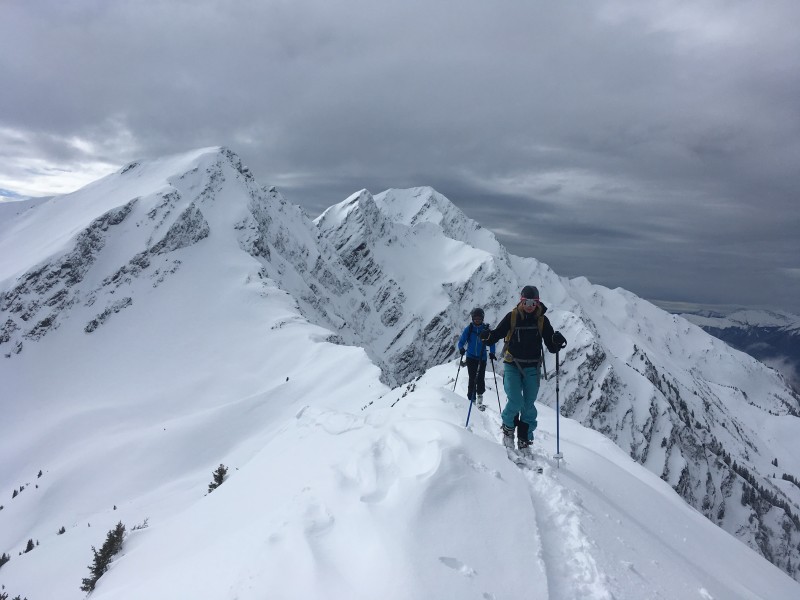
(540, 323)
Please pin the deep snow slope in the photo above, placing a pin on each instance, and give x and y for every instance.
(177, 315)
(370, 493)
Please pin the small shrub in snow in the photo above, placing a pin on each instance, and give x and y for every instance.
(102, 558)
(219, 477)
(62, 531)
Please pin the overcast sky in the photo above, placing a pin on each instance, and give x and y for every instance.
(652, 145)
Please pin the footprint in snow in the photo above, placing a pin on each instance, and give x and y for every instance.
(457, 565)
(318, 520)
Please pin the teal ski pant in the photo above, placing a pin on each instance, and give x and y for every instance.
(521, 391)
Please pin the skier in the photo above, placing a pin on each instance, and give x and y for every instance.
(525, 329)
(476, 356)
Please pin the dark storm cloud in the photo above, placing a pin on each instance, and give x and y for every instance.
(649, 145)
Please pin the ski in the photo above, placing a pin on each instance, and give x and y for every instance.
(523, 461)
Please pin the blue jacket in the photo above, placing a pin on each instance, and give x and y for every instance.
(475, 347)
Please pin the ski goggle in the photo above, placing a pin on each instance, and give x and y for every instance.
(529, 302)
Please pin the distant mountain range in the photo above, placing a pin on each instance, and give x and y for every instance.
(773, 337)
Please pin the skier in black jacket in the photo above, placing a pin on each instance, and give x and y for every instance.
(525, 330)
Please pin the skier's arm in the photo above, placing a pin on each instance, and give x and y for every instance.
(462, 341)
(498, 333)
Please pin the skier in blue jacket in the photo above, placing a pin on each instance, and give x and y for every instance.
(470, 344)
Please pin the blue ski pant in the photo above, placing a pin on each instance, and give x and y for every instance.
(521, 389)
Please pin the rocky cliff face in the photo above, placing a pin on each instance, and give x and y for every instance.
(408, 250)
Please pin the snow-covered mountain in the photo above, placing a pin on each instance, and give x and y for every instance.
(177, 315)
(773, 337)
(422, 265)
(677, 400)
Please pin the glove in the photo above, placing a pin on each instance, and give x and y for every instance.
(485, 335)
(559, 340)
(462, 350)
(492, 356)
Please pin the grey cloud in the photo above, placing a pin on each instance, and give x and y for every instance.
(635, 139)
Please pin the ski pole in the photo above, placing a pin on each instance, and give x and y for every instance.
(469, 412)
(558, 455)
(457, 372)
(499, 408)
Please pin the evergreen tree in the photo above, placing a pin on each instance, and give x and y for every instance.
(102, 558)
(219, 477)
(4, 558)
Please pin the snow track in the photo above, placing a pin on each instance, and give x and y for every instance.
(566, 553)
(572, 570)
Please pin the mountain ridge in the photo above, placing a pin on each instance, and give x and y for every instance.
(202, 272)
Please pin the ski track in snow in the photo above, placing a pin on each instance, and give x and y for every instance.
(571, 567)
(572, 572)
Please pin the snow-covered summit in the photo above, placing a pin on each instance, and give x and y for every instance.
(421, 279)
(425, 205)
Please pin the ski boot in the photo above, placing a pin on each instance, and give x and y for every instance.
(508, 437)
(525, 448)
(479, 402)
(524, 456)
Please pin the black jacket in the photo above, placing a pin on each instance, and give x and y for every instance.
(526, 342)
